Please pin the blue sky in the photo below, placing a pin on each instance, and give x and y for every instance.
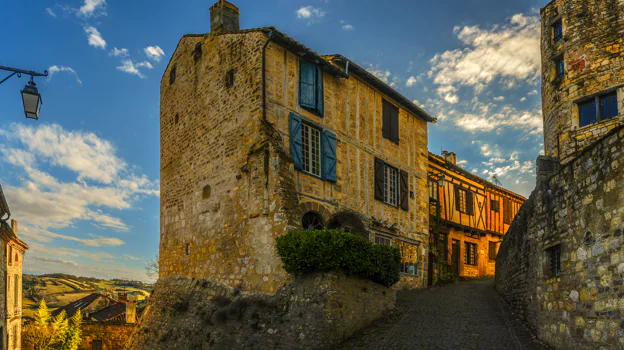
(83, 181)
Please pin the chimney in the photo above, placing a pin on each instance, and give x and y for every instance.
(131, 316)
(224, 17)
(449, 157)
(14, 226)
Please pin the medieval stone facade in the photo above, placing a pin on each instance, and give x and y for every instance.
(260, 135)
(11, 311)
(469, 219)
(582, 78)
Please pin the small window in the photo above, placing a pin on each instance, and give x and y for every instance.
(507, 211)
(312, 221)
(197, 53)
(470, 254)
(390, 121)
(495, 205)
(188, 249)
(16, 291)
(177, 118)
(391, 185)
(409, 257)
(608, 106)
(462, 201)
(10, 254)
(559, 68)
(172, 74)
(382, 240)
(587, 113)
(206, 192)
(555, 260)
(492, 250)
(229, 78)
(311, 149)
(433, 191)
(557, 31)
(310, 87)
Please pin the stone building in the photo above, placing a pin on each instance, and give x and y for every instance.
(561, 265)
(12, 251)
(469, 219)
(107, 322)
(582, 80)
(261, 135)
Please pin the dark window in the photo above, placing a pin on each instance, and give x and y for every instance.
(197, 54)
(409, 257)
(313, 150)
(177, 118)
(16, 291)
(555, 260)
(390, 120)
(312, 221)
(492, 250)
(495, 205)
(10, 254)
(464, 201)
(310, 87)
(383, 240)
(187, 249)
(507, 211)
(391, 185)
(598, 108)
(96, 345)
(557, 31)
(470, 254)
(229, 78)
(559, 68)
(172, 74)
(206, 192)
(433, 191)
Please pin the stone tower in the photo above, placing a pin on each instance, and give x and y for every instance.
(11, 310)
(582, 75)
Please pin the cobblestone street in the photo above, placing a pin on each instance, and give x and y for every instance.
(466, 315)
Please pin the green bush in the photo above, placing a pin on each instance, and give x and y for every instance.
(304, 251)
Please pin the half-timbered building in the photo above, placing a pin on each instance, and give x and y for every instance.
(468, 218)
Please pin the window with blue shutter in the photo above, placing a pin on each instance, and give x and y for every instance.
(329, 156)
(557, 31)
(311, 87)
(559, 68)
(585, 110)
(608, 106)
(296, 140)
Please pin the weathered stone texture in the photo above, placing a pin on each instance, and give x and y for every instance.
(580, 207)
(112, 336)
(593, 52)
(315, 311)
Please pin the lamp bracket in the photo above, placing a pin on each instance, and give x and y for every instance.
(19, 73)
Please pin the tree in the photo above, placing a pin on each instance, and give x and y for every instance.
(152, 268)
(54, 333)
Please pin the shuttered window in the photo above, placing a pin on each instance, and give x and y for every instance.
(470, 254)
(608, 106)
(391, 185)
(492, 250)
(313, 150)
(557, 31)
(382, 240)
(598, 108)
(495, 205)
(390, 122)
(587, 113)
(464, 201)
(559, 68)
(507, 211)
(311, 87)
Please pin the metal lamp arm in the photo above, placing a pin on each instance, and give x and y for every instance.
(19, 73)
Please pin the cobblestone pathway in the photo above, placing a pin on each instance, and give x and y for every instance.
(467, 315)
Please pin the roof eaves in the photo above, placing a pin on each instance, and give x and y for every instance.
(383, 87)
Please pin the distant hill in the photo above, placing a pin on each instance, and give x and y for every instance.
(61, 289)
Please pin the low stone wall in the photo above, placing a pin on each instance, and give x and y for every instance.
(580, 209)
(314, 312)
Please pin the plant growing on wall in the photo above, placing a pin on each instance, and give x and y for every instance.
(53, 333)
(304, 251)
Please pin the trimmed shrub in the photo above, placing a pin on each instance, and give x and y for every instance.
(304, 251)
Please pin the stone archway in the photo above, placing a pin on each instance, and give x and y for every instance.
(348, 222)
(313, 215)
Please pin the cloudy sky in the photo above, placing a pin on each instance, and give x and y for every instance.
(84, 180)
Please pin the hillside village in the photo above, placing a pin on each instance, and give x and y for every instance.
(301, 208)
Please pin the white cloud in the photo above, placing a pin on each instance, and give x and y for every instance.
(42, 201)
(93, 8)
(346, 26)
(462, 163)
(50, 12)
(534, 92)
(133, 68)
(448, 92)
(523, 99)
(411, 81)
(154, 53)
(510, 52)
(312, 14)
(55, 69)
(95, 38)
(499, 98)
(384, 75)
(119, 52)
(45, 259)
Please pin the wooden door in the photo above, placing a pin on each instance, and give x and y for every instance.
(96, 345)
(455, 255)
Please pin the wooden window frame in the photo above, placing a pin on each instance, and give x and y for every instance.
(554, 255)
(319, 93)
(381, 240)
(495, 208)
(462, 199)
(391, 188)
(390, 121)
(507, 211)
(308, 131)
(492, 245)
(557, 37)
(597, 103)
(560, 71)
(409, 260)
(470, 254)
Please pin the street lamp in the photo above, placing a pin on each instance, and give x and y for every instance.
(441, 181)
(32, 100)
(30, 95)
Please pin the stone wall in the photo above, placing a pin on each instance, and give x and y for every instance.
(113, 336)
(592, 48)
(315, 311)
(580, 208)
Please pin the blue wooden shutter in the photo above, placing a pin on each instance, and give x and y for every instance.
(329, 156)
(608, 106)
(307, 84)
(593, 116)
(319, 91)
(584, 114)
(295, 140)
